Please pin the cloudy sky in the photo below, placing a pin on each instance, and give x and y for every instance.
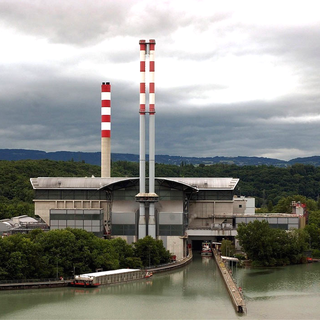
(233, 78)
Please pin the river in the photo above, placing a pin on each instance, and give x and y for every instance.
(194, 292)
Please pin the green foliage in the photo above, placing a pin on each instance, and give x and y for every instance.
(16, 194)
(284, 204)
(267, 184)
(227, 248)
(66, 252)
(313, 229)
(270, 247)
(151, 251)
(125, 254)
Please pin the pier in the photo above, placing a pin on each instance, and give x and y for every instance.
(234, 292)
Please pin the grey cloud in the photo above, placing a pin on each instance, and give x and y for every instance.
(76, 22)
(43, 108)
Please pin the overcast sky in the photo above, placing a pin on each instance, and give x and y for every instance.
(233, 78)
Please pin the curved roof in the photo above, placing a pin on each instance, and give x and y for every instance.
(207, 183)
(75, 182)
(97, 183)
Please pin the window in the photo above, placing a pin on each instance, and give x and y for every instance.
(170, 230)
(123, 229)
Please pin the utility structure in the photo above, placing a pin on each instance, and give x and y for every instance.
(147, 219)
(105, 130)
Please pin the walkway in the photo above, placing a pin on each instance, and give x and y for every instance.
(234, 292)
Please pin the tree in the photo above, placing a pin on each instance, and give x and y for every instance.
(151, 251)
(227, 248)
(269, 247)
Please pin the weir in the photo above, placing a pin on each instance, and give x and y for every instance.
(233, 290)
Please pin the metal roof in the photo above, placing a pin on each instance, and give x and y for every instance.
(97, 183)
(74, 182)
(109, 272)
(208, 183)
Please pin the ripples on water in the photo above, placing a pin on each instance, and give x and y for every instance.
(194, 292)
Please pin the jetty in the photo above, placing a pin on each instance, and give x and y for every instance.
(234, 292)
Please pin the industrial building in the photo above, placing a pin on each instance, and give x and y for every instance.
(179, 211)
(21, 224)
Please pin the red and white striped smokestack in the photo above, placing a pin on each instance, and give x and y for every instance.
(105, 130)
(152, 111)
(142, 231)
(147, 223)
(152, 44)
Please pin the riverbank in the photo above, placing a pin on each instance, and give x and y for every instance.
(34, 285)
(174, 265)
(64, 283)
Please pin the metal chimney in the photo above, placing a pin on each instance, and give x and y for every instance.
(147, 200)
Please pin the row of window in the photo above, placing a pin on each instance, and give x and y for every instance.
(95, 230)
(212, 195)
(76, 214)
(75, 217)
(128, 194)
(130, 230)
(75, 223)
(164, 194)
(70, 195)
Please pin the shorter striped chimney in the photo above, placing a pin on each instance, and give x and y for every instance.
(105, 130)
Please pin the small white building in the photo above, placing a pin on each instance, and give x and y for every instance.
(244, 205)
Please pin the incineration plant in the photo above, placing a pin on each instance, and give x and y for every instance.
(179, 211)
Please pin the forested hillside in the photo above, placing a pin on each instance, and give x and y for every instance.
(16, 193)
(268, 184)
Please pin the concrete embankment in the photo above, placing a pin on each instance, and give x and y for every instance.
(172, 266)
(34, 285)
(234, 292)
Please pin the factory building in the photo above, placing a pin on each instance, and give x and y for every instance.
(179, 211)
(108, 206)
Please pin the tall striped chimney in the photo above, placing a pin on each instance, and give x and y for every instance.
(152, 111)
(142, 231)
(147, 221)
(105, 130)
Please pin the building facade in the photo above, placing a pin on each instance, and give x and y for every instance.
(108, 206)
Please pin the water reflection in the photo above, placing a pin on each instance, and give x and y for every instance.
(194, 292)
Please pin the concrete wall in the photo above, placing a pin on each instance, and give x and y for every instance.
(239, 205)
(203, 209)
(251, 206)
(124, 206)
(169, 206)
(42, 209)
(174, 244)
(170, 218)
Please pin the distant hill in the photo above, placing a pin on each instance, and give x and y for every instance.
(95, 158)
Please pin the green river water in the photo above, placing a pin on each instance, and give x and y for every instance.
(195, 292)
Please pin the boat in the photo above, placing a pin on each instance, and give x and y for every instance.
(83, 281)
(148, 274)
(206, 249)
